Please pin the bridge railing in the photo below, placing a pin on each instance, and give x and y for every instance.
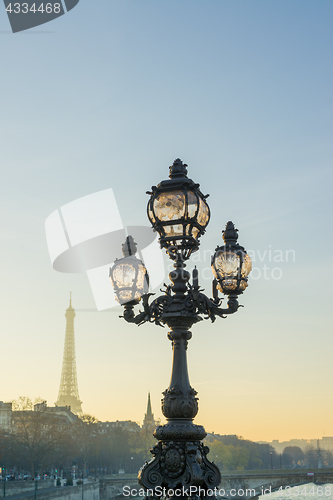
(257, 472)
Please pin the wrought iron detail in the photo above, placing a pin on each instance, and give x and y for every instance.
(179, 464)
(192, 305)
(175, 431)
(150, 473)
(179, 404)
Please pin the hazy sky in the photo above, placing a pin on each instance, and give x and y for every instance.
(108, 96)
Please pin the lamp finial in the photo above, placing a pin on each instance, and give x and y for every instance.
(230, 233)
(129, 247)
(178, 169)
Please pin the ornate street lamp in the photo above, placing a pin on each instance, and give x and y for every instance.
(179, 212)
(230, 264)
(129, 276)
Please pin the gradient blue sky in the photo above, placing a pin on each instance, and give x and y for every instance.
(108, 96)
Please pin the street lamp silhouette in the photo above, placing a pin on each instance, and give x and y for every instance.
(179, 212)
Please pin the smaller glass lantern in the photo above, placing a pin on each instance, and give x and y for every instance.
(231, 264)
(178, 211)
(129, 276)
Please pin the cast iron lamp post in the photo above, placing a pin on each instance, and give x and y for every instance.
(178, 211)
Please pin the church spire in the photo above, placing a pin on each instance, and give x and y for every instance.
(149, 421)
(149, 410)
(68, 391)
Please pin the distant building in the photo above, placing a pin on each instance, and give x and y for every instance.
(63, 415)
(5, 415)
(301, 443)
(128, 425)
(326, 443)
(148, 421)
(48, 416)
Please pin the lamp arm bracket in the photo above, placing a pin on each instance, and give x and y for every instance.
(211, 308)
(151, 313)
(140, 318)
(194, 304)
(130, 317)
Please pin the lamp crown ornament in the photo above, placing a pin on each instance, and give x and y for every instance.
(230, 233)
(178, 169)
(129, 247)
(179, 213)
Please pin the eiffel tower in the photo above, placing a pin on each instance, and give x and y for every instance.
(69, 391)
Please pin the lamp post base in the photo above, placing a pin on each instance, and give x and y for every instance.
(180, 462)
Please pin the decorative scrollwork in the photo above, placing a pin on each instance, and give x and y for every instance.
(173, 459)
(192, 304)
(179, 463)
(201, 304)
(178, 404)
(212, 475)
(158, 307)
(152, 313)
(150, 474)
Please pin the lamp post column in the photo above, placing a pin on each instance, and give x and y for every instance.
(173, 406)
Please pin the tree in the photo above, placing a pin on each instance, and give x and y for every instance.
(85, 433)
(142, 442)
(39, 439)
(229, 457)
(286, 459)
(7, 450)
(235, 453)
(295, 453)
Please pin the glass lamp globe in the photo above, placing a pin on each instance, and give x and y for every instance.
(178, 211)
(231, 265)
(129, 276)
